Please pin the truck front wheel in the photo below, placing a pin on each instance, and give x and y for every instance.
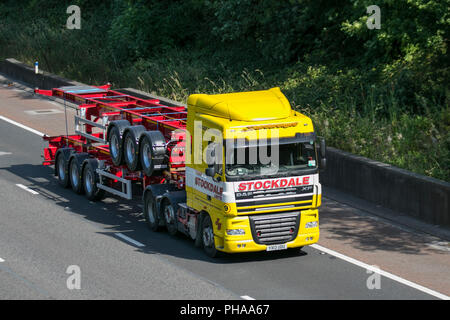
(208, 237)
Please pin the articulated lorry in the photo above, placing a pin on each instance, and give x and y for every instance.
(235, 172)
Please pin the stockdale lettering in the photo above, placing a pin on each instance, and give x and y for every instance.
(273, 184)
(208, 186)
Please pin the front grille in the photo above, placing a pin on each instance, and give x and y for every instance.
(274, 228)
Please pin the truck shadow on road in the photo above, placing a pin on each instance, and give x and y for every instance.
(115, 215)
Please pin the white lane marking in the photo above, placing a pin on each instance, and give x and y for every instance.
(42, 112)
(1, 260)
(124, 237)
(247, 298)
(26, 188)
(22, 126)
(2, 153)
(381, 272)
(440, 245)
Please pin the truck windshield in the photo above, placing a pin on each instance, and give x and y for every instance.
(291, 158)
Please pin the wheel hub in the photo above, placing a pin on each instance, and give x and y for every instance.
(114, 146)
(130, 150)
(151, 217)
(88, 182)
(208, 236)
(61, 171)
(170, 216)
(147, 156)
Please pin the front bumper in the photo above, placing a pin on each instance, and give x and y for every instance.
(233, 246)
(246, 242)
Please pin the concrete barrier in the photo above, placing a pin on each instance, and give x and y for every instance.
(409, 193)
(24, 73)
(403, 191)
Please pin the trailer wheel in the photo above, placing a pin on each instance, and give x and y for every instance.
(115, 146)
(75, 176)
(152, 151)
(170, 217)
(61, 170)
(208, 237)
(131, 147)
(150, 213)
(90, 179)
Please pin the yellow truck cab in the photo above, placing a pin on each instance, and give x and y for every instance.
(252, 166)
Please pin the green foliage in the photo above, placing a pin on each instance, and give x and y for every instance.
(144, 28)
(380, 93)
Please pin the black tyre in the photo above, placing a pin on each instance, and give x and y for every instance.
(152, 152)
(115, 146)
(208, 237)
(75, 176)
(152, 218)
(131, 147)
(90, 180)
(169, 213)
(61, 170)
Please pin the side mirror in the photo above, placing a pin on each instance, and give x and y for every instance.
(210, 171)
(323, 159)
(323, 164)
(323, 148)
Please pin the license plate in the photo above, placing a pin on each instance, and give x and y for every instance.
(276, 247)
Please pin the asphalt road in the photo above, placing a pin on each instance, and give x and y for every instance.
(45, 229)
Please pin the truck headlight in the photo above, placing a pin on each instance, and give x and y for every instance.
(312, 224)
(235, 232)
